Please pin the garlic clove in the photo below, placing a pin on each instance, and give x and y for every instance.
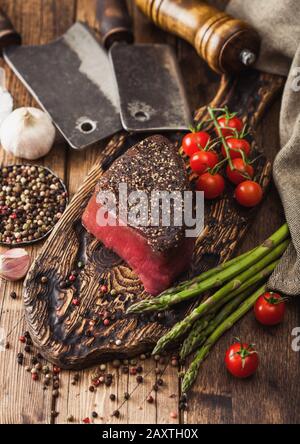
(28, 133)
(14, 264)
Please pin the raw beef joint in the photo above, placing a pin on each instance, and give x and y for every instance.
(157, 254)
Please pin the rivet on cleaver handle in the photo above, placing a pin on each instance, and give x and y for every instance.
(150, 86)
(72, 80)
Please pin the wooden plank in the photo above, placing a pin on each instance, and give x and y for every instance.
(22, 400)
(101, 344)
(272, 397)
(208, 403)
(79, 163)
(273, 394)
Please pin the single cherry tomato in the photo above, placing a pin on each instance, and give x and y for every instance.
(269, 308)
(241, 172)
(241, 360)
(248, 193)
(201, 161)
(236, 146)
(213, 185)
(229, 126)
(193, 142)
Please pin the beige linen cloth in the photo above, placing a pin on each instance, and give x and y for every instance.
(278, 23)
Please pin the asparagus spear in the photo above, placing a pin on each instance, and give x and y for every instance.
(206, 274)
(233, 287)
(200, 333)
(166, 301)
(219, 330)
(196, 335)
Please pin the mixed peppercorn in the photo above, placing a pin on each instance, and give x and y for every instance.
(32, 200)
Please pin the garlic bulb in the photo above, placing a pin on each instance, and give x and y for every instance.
(27, 133)
(6, 100)
(14, 264)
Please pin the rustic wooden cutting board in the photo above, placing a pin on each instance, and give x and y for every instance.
(74, 336)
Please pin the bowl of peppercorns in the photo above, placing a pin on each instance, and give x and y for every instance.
(32, 201)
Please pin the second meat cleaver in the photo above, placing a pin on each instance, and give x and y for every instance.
(71, 78)
(151, 90)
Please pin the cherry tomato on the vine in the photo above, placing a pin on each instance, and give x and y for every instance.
(241, 172)
(269, 308)
(236, 146)
(248, 193)
(212, 185)
(241, 360)
(202, 161)
(229, 126)
(193, 142)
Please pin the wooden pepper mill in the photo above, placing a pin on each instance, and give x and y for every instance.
(8, 35)
(227, 44)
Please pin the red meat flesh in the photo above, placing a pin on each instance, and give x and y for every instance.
(156, 270)
(158, 255)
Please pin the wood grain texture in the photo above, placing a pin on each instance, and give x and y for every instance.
(22, 400)
(271, 396)
(216, 397)
(8, 35)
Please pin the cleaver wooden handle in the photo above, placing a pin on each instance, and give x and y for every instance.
(115, 22)
(8, 35)
(225, 43)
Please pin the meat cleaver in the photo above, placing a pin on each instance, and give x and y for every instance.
(71, 78)
(150, 86)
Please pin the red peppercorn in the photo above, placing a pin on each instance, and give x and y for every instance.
(86, 420)
(13, 216)
(56, 370)
(72, 278)
(75, 302)
(103, 289)
(106, 322)
(35, 376)
(22, 339)
(133, 371)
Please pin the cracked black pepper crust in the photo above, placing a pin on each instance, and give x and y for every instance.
(152, 165)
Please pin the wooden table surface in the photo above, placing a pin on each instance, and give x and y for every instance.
(272, 396)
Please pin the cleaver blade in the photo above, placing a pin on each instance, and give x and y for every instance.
(150, 86)
(72, 80)
(151, 92)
